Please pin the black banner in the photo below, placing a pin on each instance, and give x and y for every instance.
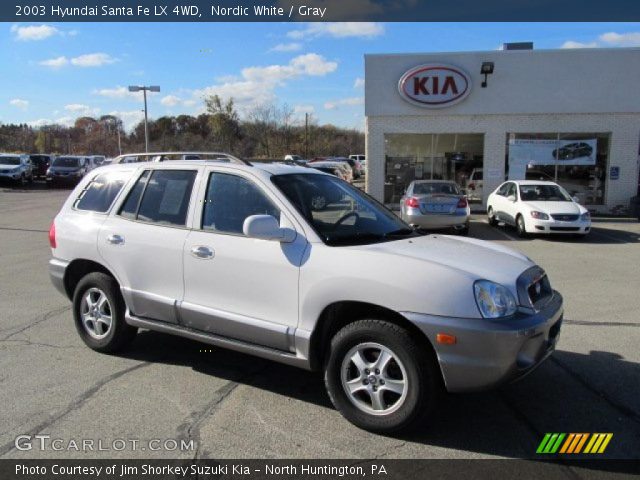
(316, 469)
(316, 10)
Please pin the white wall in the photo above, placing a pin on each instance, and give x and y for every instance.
(524, 81)
(567, 91)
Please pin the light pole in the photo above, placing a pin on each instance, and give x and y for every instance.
(137, 88)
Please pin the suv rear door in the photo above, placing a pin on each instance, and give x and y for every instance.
(143, 239)
(239, 287)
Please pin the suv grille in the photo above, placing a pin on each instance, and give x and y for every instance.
(565, 217)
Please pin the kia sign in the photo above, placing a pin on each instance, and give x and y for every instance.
(435, 85)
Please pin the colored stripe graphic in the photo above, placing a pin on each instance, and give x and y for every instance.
(573, 443)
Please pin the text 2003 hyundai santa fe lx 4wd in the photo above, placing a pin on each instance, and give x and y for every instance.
(297, 266)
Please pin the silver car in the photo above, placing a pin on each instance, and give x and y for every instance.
(435, 204)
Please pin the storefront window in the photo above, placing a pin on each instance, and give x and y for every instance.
(577, 161)
(411, 157)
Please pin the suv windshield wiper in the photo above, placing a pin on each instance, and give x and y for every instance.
(399, 232)
(364, 237)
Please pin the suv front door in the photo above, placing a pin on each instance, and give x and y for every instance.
(142, 241)
(239, 287)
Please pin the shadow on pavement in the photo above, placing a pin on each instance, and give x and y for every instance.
(508, 422)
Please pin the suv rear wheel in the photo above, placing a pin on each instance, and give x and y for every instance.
(380, 378)
(98, 310)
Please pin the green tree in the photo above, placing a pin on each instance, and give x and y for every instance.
(223, 121)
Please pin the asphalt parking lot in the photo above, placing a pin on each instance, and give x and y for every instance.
(236, 406)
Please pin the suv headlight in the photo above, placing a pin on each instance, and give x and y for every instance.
(494, 300)
(585, 217)
(539, 215)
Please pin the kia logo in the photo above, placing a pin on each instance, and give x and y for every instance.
(435, 85)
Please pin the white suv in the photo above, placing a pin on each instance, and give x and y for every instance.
(297, 266)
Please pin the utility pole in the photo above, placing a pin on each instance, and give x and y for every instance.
(306, 136)
(137, 88)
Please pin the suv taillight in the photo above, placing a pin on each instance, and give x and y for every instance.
(52, 235)
(462, 203)
(412, 202)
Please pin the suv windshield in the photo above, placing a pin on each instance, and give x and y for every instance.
(429, 188)
(10, 160)
(66, 162)
(339, 213)
(551, 193)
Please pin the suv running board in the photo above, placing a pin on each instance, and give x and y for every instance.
(223, 342)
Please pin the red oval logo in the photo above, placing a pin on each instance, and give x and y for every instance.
(435, 85)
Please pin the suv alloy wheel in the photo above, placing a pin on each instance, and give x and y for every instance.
(380, 378)
(98, 310)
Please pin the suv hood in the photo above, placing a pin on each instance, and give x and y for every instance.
(64, 169)
(556, 207)
(477, 258)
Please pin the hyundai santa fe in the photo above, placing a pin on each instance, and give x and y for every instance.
(297, 266)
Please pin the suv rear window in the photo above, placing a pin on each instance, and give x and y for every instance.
(165, 197)
(100, 192)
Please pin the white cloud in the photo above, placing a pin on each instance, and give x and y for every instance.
(630, 39)
(33, 32)
(82, 110)
(256, 85)
(170, 101)
(189, 103)
(19, 103)
(57, 62)
(359, 83)
(338, 30)
(572, 44)
(93, 60)
(120, 92)
(609, 39)
(129, 118)
(287, 47)
(41, 122)
(351, 101)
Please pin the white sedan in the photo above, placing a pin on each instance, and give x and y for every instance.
(535, 206)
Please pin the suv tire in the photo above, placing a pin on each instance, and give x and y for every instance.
(98, 311)
(407, 385)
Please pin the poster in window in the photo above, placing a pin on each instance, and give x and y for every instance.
(525, 153)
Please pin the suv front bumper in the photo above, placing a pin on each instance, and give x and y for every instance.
(490, 352)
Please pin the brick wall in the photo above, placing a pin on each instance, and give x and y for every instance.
(623, 149)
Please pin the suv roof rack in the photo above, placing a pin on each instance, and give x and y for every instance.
(167, 156)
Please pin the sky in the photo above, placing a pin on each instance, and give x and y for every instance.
(56, 72)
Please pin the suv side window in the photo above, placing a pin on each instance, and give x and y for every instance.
(165, 197)
(100, 192)
(229, 200)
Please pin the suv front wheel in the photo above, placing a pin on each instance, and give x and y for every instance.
(380, 378)
(98, 310)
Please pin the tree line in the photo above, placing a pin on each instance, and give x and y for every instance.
(265, 131)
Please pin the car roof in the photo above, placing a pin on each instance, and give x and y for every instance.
(532, 182)
(265, 168)
(434, 181)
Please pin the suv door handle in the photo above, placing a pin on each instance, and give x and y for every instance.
(115, 239)
(202, 252)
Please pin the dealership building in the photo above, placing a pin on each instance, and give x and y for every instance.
(570, 116)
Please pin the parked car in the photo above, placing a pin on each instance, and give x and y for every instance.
(535, 206)
(67, 169)
(435, 204)
(475, 185)
(16, 168)
(336, 171)
(353, 164)
(573, 150)
(97, 160)
(362, 160)
(345, 168)
(343, 286)
(40, 164)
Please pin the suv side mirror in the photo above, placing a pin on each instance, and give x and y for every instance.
(512, 198)
(266, 227)
(575, 199)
